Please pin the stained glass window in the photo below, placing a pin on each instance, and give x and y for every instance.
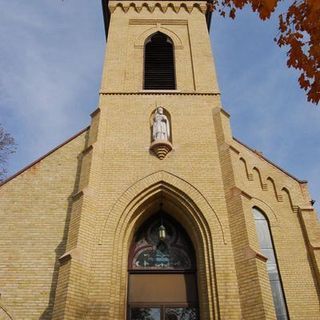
(181, 314)
(145, 313)
(166, 313)
(149, 252)
(267, 249)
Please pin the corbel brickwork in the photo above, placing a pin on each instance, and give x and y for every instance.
(163, 6)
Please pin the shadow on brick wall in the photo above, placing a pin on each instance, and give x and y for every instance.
(61, 248)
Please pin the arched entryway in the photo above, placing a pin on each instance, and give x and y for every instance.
(162, 272)
(191, 209)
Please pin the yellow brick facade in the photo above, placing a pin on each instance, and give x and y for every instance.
(68, 220)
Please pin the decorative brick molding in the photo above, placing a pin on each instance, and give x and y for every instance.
(160, 92)
(161, 148)
(256, 171)
(163, 6)
(160, 180)
(158, 25)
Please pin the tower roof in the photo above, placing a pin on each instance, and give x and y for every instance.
(106, 15)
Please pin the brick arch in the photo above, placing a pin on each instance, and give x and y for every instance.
(188, 206)
(267, 210)
(141, 39)
(159, 180)
(287, 194)
(4, 313)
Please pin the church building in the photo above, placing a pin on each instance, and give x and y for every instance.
(155, 211)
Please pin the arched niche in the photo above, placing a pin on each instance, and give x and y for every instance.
(151, 120)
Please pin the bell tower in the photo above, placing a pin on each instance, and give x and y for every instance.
(153, 141)
(130, 26)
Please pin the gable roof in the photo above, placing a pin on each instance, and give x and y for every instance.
(44, 156)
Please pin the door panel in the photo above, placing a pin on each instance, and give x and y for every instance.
(162, 288)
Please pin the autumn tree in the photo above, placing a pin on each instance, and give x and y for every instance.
(7, 147)
(299, 31)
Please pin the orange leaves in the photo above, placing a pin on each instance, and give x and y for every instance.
(282, 24)
(304, 83)
(299, 30)
(232, 13)
(264, 7)
(314, 4)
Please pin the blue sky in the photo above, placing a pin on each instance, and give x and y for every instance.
(51, 55)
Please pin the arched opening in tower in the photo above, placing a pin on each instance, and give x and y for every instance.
(159, 69)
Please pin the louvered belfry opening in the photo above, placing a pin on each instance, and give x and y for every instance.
(159, 73)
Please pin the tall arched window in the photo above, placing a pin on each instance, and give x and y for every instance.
(267, 249)
(162, 272)
(159, 73)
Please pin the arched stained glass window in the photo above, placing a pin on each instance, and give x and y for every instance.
(267, 249)
(148, 252)
(159, 71)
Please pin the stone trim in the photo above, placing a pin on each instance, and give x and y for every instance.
(235, 150)
(220, 109)
(73, 254)
(161, 148)
(78, 194)
(253, 254)
(236, 191)
(95, 112)
(154, 22)
(160, 92)
(87, 150)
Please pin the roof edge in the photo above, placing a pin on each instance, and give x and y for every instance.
(270, 162)
(44, 156)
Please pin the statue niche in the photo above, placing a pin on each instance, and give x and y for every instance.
(161, 135)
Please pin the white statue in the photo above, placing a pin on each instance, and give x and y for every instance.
(161, 126)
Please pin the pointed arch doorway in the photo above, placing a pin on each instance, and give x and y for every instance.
(162, 272)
